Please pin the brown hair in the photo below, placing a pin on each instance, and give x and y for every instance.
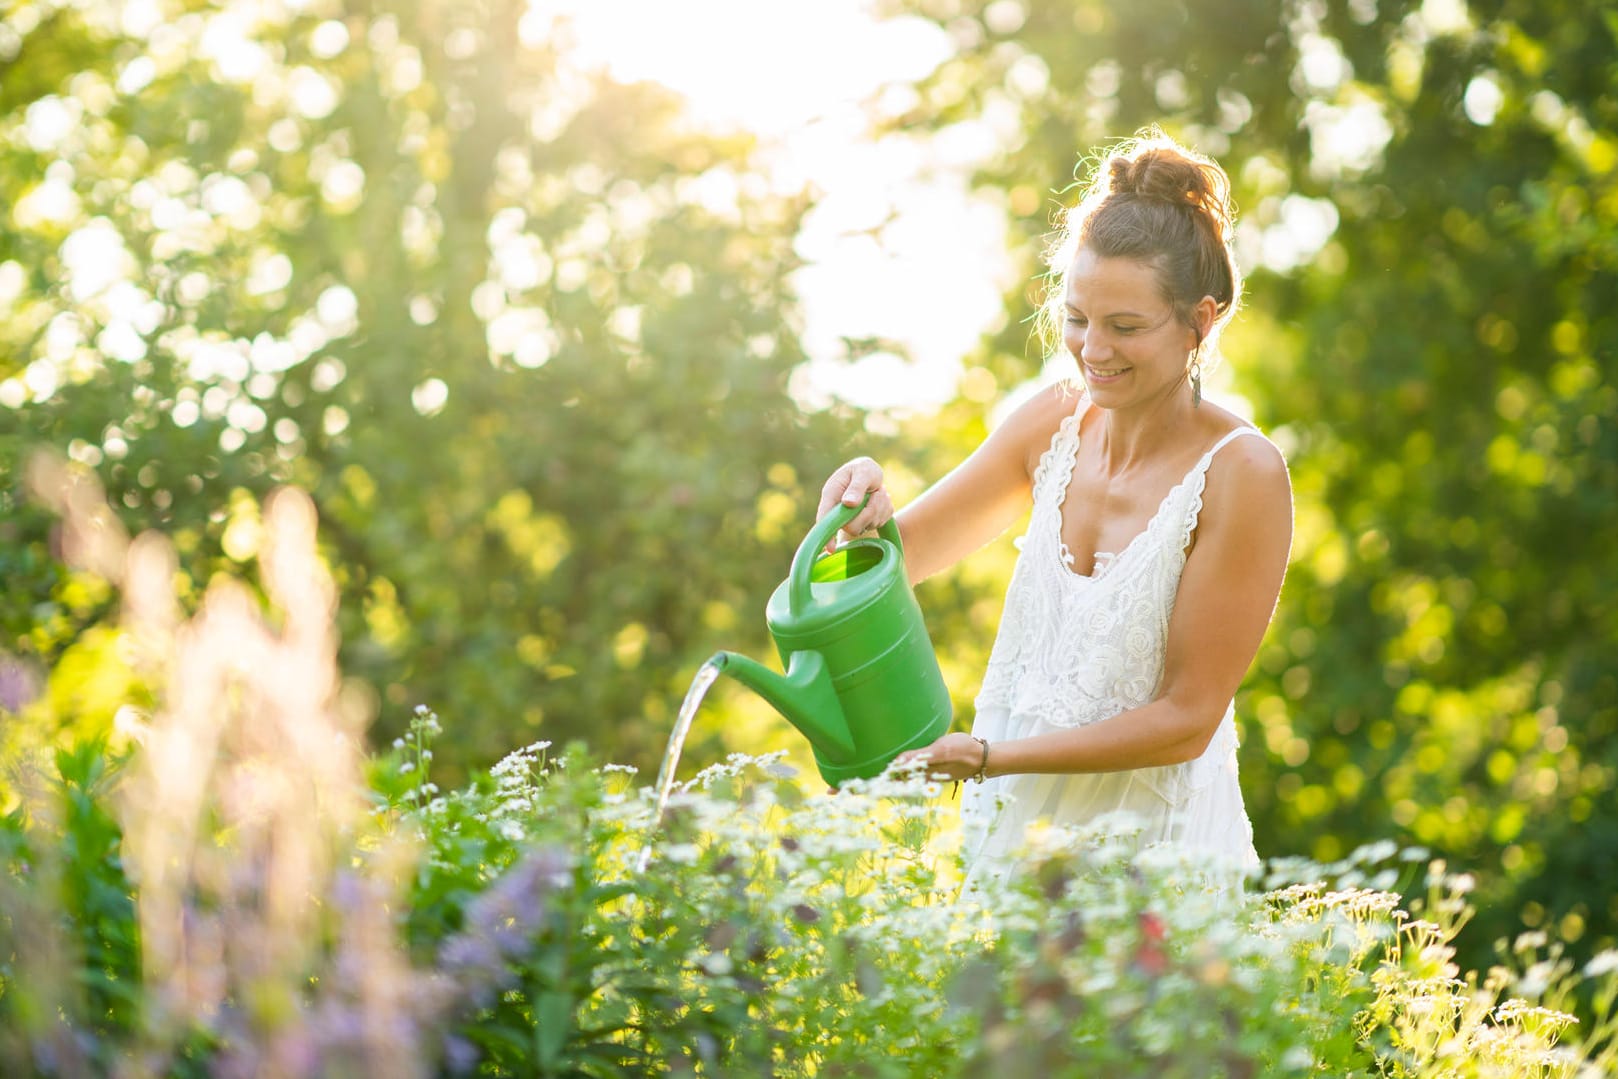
(1155, 201)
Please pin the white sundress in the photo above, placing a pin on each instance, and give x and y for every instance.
(1075, 650)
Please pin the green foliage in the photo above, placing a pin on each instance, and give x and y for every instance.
(525, 336)
(773, 932)
(522, 333)
(70, 974)
(1429, 210)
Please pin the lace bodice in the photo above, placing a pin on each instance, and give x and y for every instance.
(1074, 650)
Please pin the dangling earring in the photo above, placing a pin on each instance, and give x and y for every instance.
(1196, 379)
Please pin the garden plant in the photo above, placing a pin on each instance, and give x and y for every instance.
(385, 391)
(237, 889)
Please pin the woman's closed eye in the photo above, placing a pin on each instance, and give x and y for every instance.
(1122, 330)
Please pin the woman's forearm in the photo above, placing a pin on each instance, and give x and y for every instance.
(1157, 734)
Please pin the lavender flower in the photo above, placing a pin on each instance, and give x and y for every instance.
(19, 684)
(500, 922)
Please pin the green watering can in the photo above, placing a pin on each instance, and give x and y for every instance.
(861, 679)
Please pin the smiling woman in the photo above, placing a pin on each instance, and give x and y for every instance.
(1156, 546)
(1115, 324)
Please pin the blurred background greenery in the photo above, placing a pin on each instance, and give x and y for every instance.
(530, 337)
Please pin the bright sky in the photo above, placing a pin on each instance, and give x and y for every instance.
(896, 247)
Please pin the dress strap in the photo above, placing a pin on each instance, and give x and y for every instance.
(1229, 436)
(1197, 482)
(1056, 463)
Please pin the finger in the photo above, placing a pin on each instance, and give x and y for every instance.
(849, 486)
(864, 475)
(832, 492)
(874, 515)
(831, 495)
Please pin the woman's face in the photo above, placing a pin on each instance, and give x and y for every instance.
(1129, 345)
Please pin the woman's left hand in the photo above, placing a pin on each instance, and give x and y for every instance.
(953, 757)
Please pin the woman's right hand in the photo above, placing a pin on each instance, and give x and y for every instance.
(848, 485)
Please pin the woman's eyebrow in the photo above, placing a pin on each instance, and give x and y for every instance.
(1115, 314)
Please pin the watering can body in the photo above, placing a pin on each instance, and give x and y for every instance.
(862, 680)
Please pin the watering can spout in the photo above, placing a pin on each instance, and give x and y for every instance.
(804, 695)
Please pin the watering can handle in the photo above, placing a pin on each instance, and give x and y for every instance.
(798, 595)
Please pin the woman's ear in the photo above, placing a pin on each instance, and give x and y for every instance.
(1204, 315)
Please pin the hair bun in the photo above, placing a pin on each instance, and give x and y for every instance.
(1165, 173)
(1164, 205)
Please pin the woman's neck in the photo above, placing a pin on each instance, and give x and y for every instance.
(1131, 438)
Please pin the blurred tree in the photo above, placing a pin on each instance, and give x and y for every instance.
(525, 336)
(1430, 214)
(523, 333)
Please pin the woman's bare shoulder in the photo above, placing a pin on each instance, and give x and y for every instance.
(1248, 470)
(1033, 423)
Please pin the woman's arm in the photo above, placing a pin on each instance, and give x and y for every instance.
(972, 505)
(1226, 598)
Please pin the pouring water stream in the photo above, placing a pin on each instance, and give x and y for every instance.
(706, 675)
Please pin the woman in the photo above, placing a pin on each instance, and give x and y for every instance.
(1158, 541)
